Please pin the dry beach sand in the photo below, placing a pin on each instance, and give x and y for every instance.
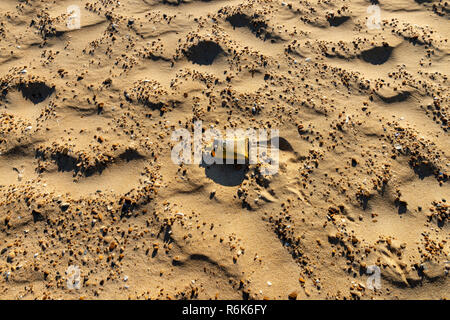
(87, 180)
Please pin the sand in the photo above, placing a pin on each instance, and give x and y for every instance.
(88, 186)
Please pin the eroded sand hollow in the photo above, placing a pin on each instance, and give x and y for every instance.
(86, 177)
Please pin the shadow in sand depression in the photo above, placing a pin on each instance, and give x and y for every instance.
(36, 92)
(377, 55)
(226, 174)
(204, 52)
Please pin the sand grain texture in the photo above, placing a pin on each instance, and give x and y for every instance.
(86, 177)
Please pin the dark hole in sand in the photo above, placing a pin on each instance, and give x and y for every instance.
(127, 206)
(284, 145)
(257, 27)
(377, 55)
(154, 105)
(177, 263)
(36, 92)
(337, 21)
(167, 235)
(21, 151)
(401, 205)
(226, 174)
(363, 200)
(423, 170)
(239, 20)
(204, 52)
(199, 257)
(131, 154)
(400, 97)
(37, 216)
(67, 163)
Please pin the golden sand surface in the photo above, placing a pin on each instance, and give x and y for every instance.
(359, 92)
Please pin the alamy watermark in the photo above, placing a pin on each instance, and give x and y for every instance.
(74, 19)
(237, 146)
(73, 277)
(374, 280)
